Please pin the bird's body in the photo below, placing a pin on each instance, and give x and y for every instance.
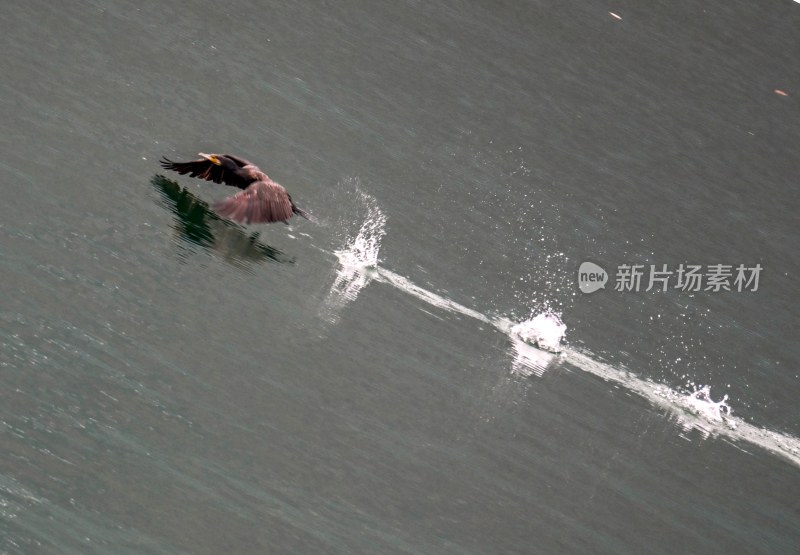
(261, 200)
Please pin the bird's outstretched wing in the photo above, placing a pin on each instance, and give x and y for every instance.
(205, 169)
(262, 202)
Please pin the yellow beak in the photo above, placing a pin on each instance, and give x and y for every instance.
(211, 158)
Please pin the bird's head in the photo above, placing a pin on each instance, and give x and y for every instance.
(213, 158)
(219, 160)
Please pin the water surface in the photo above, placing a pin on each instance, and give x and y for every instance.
(174, 383)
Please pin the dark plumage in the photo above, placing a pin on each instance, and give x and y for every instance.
(261, 200)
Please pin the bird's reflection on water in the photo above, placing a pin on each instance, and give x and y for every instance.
(197, 224)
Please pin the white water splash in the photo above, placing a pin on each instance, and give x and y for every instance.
(701, 403)
(536, 342)
(358, 260)
(362, 250)
(545, 331)
(537, 345)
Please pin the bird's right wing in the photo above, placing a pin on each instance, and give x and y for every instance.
(205, 169)
(262, 202)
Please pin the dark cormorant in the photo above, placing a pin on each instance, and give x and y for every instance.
(261, 200)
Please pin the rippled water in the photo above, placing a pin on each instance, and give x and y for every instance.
(417, 371)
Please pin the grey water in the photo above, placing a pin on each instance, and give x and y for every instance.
(171, 382)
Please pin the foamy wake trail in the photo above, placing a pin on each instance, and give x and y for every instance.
(693, 411)
(537, 344)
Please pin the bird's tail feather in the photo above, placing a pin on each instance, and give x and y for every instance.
(301, 212)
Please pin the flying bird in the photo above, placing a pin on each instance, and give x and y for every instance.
(260, 201)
